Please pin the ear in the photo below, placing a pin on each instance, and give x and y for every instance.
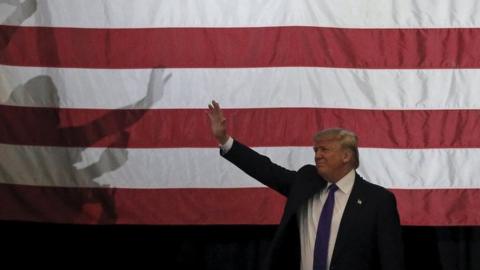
(347, 156)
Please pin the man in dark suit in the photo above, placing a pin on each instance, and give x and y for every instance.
(362, 230)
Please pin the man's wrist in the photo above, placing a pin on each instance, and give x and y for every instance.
(223, 139)
(225, 147)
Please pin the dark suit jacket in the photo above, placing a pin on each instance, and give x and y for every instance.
(369, 236)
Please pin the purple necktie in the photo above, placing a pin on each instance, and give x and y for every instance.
(320, 252)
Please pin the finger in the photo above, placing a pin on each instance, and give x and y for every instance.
(211, 110)
(210, 115)
(216, 105)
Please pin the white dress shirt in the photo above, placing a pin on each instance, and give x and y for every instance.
(309, 215)
(227, 146)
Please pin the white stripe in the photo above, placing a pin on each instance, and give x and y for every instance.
(245, 88)
(238, 13)
(201, 168)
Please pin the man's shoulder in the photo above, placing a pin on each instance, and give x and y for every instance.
(309, 174)
(308, 171)
(372, 188)
(308, 168)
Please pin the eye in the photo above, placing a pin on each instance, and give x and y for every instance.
(320, 149)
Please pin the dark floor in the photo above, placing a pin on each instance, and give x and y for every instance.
(215, 247)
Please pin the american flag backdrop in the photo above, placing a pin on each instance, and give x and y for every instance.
(102, 104)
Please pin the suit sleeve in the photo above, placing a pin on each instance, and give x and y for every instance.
(261, 168)
(390, 244)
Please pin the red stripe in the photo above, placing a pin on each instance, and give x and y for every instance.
(240, 47)
(437, 207)
(140, 206)
(255, 127)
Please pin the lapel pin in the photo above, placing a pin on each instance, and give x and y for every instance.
(359, 201)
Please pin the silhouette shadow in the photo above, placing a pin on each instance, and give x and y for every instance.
(22, 12)
(53, 165)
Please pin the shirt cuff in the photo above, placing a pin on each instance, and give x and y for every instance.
(226, 146)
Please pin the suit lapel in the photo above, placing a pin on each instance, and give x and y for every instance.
(351, 214)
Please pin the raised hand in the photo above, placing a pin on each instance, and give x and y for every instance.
(217, 122)
(155, 89)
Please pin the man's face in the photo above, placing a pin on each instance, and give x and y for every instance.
(330, 159)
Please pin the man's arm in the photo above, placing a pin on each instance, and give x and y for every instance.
(261, 168)
(257, 166)
(390, 244)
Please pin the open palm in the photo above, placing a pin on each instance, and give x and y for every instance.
(217, 122)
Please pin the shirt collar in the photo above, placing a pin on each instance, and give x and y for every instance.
(346, 183)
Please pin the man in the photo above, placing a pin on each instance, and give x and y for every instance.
(359, 224)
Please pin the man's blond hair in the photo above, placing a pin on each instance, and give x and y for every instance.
(348, 140)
